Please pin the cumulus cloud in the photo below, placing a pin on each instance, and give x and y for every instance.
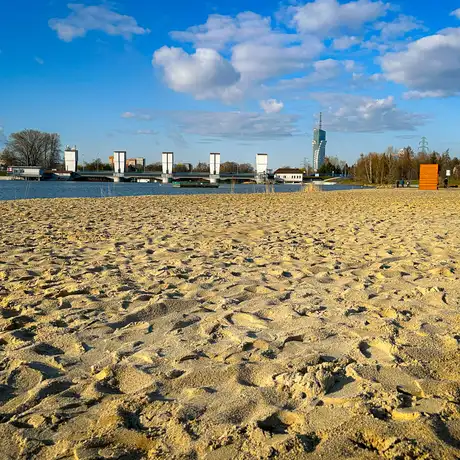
(349, 113)
(429, 66)
(257, 53)
(324, 71)
(83, 19)
(238, 125)
(425, 94)
(220, 31)
(260, 62)
(456, 13)
(329, 17)
(345, 42)
(204, 74)
(271, 106)
(398, 27)
(226, 125)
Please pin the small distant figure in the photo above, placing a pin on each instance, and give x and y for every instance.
(402, 183)
(397, 184)
(446, 182)
(407, 184)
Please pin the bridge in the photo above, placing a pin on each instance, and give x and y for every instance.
(121, 173)
(157, 176)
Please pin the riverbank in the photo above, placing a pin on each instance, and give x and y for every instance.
(297, 325)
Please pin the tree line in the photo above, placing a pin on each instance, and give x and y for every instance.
(391, 166)
(228, 167)
(334, 166)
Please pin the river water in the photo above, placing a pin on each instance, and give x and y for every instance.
(17, 190)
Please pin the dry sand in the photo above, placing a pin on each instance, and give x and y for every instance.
(323, 325)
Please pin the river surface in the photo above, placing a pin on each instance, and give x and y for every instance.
(18, 190)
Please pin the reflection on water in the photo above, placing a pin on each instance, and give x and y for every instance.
(16, 190)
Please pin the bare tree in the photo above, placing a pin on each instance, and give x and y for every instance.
(35, 148)
(154, 167)
(201, 167)
(7, 158)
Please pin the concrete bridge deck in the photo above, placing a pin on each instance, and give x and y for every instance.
(157, 175)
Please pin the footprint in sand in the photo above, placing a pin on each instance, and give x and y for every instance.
(247, 320)
(377, 350)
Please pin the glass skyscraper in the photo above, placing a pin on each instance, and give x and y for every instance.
(319, 146)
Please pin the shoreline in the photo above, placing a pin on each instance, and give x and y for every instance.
(295, 325)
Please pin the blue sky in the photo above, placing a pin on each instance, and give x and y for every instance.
(232, 77)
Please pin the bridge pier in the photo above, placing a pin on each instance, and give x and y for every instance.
(116, 179)
(214, 178)
(261, 178)
(261, 168)
(166, 178)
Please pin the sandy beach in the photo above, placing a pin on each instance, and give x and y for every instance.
(291, 326)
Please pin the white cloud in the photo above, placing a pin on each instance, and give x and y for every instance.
(430, 65)
(456, 13)
(425, 94)
(258, 53)
(229, 125)
(329, 17)
(138, 116)
(324, 71)
(345, 42)
(146, 132)
(238, 125)
(271, 106)
(260, 62)
(349, 113)
(83, 19)
(398, 27)
(204, 74)
(220, 31)
(39, 60)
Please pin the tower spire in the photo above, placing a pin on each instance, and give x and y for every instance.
(321, 120)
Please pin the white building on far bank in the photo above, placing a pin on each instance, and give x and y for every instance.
(289, 175)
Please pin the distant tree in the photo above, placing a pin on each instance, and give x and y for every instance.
(445, 163)
(328, 167)
(201, 167)
(179, 167)
(229, 167)
(98, 165)
(434, 157)
(245, 168)
(154, 167)
(35, 148)
(7, 158)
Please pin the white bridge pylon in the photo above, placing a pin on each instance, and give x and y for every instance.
(167, 161)
(261, 167)
(214, 167)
